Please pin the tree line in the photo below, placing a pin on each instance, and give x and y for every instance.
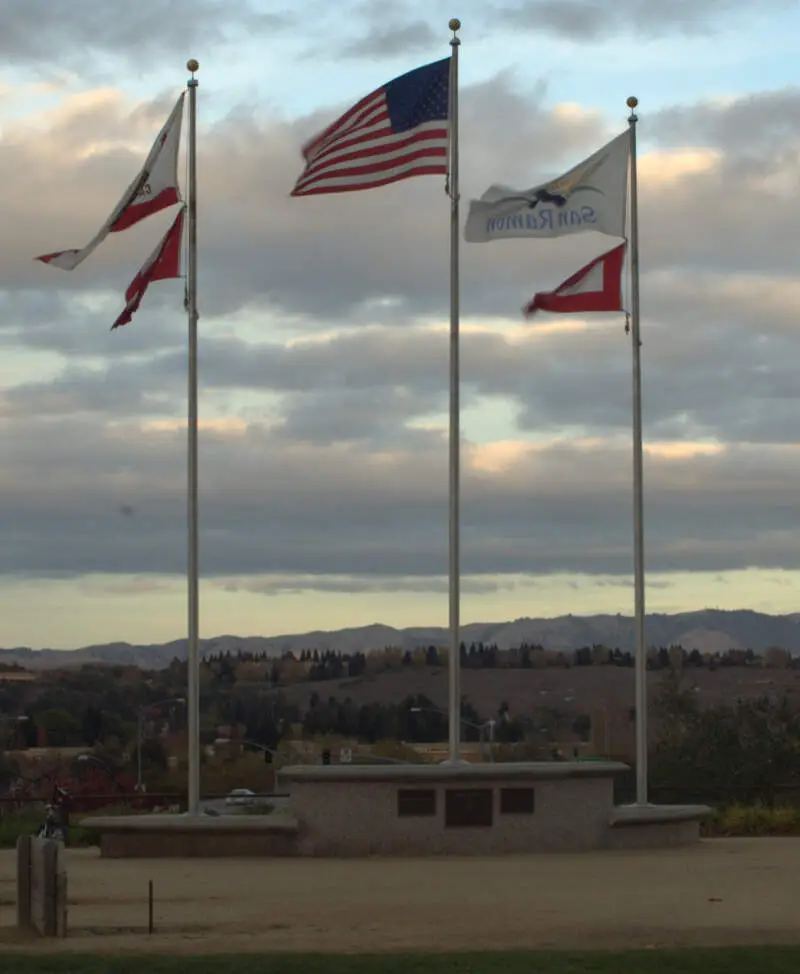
(312, 665)
(740, 751)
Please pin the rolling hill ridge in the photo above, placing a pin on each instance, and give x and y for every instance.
(708, 630)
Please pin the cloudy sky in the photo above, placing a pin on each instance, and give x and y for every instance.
(324, 322)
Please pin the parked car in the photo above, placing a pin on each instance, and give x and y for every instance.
(240, 796)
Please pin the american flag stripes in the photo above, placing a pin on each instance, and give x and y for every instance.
(399, 130)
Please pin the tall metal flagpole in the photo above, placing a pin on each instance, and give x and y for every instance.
(193, 655)
(454, 669)
(640, 662)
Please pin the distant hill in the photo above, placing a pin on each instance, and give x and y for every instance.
(709, 630)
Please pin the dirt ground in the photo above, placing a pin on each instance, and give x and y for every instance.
(737, 891)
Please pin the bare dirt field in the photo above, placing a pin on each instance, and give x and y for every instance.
(737, 891)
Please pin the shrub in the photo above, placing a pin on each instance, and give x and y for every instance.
(735, 754)
(26, 823)
(753, 820)
(13, 826)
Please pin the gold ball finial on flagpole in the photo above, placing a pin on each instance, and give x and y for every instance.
(192, 65)
(454, 24)
(632, 101)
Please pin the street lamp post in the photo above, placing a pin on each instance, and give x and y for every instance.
(139, 722)
(480, 728)
(490, 724)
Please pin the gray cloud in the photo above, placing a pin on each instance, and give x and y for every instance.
(394, 27)
(386, 41)
(64, 322)
(272, 507)
(718, 363)
(383, 30)
(590, 20)
(283, 585)
(321, 260)
(770, 118)
(340, 484)
(258, 247)
(373, 415)
(46, 34)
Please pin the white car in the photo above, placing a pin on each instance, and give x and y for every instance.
(240, 796)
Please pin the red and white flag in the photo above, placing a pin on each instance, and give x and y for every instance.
(595, 287)
(154, 189)
(162, 265)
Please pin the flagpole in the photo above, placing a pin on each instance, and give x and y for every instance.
(193, 656)
(454, 669)
(640, 662)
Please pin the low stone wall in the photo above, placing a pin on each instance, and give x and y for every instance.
(655, 826)
(417, 810)
(184, 837)
(362, 810)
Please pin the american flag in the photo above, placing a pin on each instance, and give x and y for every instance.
(398, 131)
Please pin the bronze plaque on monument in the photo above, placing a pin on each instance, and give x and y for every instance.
(468, 807)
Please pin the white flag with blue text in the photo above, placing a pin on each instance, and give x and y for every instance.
(591, 196)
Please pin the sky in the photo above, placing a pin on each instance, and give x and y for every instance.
(324, 323)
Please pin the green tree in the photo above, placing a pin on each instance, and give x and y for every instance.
(726, 754)
(92, 725)
(582, 726)
(60, 728)
(154, 753)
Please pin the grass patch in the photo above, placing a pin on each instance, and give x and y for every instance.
(749, 960)
(17, 824)
(753, 820)
(13, 826)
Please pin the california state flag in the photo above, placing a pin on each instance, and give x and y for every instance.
(154, 189)
(595, 287)
(162, 265)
